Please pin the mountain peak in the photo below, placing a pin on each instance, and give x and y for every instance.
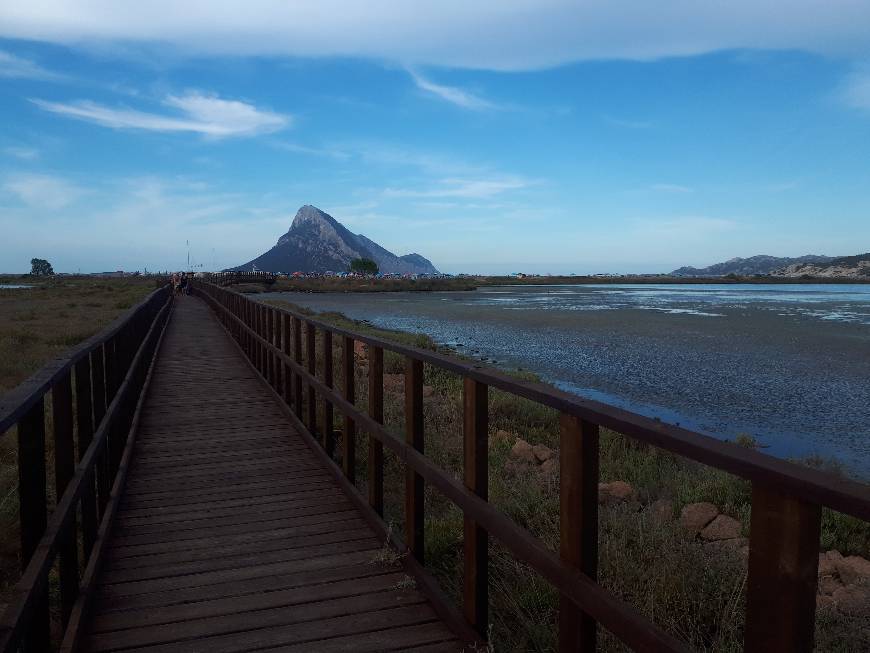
(317, 242)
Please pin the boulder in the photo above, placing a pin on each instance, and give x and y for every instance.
(735, 546)
(826, 564)
(550, 466)
(854, 599)
(695, 516)
(828, 585)
(722, 527)
(661, 511)
(523, 451)
(853, 569)
(543, 452)
(614, 492)
(428, 391)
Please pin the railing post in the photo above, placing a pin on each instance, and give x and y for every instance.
(375, 473)
(414, 511)
(33, 511)
(348, 458)
(64, 469)
(328, 441)
(84, 419)
(297, 356)
(475, 400)
(287, 349)
(267, 334)
(578, 523)
(275, 339)
(311, 355)
(100, 394)
(783, 566)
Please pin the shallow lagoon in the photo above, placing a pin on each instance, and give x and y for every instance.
(789, 365)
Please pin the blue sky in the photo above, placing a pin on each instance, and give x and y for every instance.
(541, 136)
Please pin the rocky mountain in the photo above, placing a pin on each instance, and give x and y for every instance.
(761, 264)
(317, 242)
(853, 267)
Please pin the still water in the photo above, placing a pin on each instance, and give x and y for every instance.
(789, 365)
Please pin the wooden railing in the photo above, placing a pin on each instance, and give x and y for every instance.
(786, 498)
(94, 394)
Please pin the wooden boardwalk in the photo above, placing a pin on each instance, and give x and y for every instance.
(231, 535)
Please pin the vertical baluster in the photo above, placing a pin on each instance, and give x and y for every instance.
(98, 375)
(311, 356)
(286, 347)
(376, 412)
(349, 438)
(783, 566)
(414, 509)
(578, 523)
(64, 468)
(267, 330)
(32, 510)
(297, 357)
(84, 419)
(475, 401)
(328, 440)
(275, 339)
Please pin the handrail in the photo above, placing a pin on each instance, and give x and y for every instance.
(786, 498)
(125, 348)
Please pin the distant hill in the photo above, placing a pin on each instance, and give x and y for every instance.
(851, 267)
(317, 242)
(760, 264)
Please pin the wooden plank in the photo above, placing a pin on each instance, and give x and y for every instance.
(578, 524)
(475, 398)
(375, 462)
(310, 632)
(783, 572)
(280, 598)
(410, 638)
(414, 488)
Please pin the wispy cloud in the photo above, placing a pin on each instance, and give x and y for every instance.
(41, 191)
(452, 94)
(15, 67)
(326, 152)
(465, 188)
(23, 153)
(855, 91)
(199, 113)
(671, 188)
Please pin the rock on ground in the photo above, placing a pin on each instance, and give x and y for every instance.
(614, 492)
(722, 527)
(522, 450)
(695, 516)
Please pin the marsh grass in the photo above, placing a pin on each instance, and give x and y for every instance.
(694, 592)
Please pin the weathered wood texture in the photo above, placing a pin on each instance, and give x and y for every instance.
(231, 535)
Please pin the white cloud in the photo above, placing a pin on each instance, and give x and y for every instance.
(486, 34)
(465, 188)
(12, 66)
(855, 91)
(451, 94)
(204, 114)
(671, 188)
(24, 153)
(41, 191)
